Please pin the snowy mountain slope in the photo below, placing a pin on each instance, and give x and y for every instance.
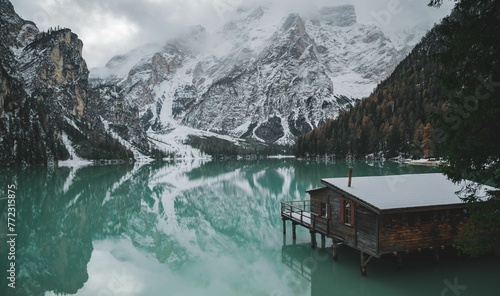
(264, 75)
(47, 107)
(118, 67)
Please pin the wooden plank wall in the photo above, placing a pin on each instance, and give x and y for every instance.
(361, 235)
(345, 232)
(367, 230)
(414, 230)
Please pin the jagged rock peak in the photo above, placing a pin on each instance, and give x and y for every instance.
(264, 74)
(290, 42)
(62, 37)
(294, 22)
(44, 100)
(251, 12)
(245, 17)
(54, 61)
(15, 31)
(257, 13)
(342, 16)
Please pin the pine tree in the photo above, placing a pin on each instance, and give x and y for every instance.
(468, 56)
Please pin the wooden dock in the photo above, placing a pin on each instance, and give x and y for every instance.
(300, 212)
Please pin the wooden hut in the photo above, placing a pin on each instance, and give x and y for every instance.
(383, 214)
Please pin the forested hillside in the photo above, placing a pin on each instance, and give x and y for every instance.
(442, 100)
(396, 119)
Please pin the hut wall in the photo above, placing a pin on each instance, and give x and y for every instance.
(361, 233)
(338, 229)
(367, 230)
(424, 229)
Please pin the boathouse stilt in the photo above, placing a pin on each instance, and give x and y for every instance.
(399, 260)
(323, 241)
(335, 251)
(364, 261)
(313, 239)
(436, 254)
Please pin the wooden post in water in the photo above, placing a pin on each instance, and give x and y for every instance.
(313, 239)
(363, 264)
(335, 247)
(294, 230)
(364, 261)
(399, 260)
(436, 254)
(323, 241)
(284, 226)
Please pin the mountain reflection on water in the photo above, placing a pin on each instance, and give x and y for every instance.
(181, 228)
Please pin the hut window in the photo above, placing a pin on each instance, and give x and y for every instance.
(323, 209)
(347, 212)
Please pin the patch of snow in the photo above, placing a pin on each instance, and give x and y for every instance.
(279, 156)
(122, 180)
(424, 161)
(72, 123)
(74, 200)
(119, 66)
(74, 160)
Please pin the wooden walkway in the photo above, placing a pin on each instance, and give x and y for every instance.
(305, 213)
(300, 212)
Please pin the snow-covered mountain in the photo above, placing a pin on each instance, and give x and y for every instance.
(264, 75)
(264, 78)
(48, 110)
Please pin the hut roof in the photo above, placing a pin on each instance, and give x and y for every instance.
(404, 191)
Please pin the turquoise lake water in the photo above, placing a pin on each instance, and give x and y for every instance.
(201, 228)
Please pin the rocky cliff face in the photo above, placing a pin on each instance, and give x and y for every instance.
(45, 98)
(257, 78)
(54, 72)
(15, 33)
(119, 117)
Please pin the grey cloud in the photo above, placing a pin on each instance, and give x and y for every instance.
(110, 27)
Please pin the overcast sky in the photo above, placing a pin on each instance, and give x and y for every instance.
(110, 27)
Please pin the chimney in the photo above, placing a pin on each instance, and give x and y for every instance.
(350, 177)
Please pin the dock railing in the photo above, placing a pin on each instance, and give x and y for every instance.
(304, 212)
(298, 211)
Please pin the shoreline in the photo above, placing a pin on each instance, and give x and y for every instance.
(424, 162)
